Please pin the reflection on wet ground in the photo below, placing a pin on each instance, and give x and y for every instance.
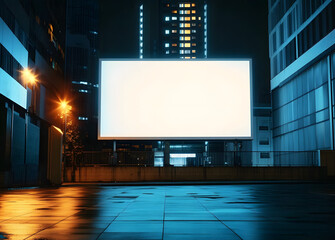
(260, 211)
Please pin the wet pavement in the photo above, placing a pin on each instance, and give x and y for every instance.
(250, 211)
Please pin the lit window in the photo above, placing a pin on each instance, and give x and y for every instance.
(187, 5)
(187, 19)
(187, 51)
(82, 91)
(181, 38)
(194, 24)
(187, 45)
(205, 20)
(193, 11)
(187, 25)
(141, 44)
(194, 31)
(141, 19)
(194, 18)
(141, 7)
(181, 51)
(181, 18)
(141, 56)
(167, 5)
(174, 31)
(182, 57)
(187, 57)
(187, 12)
(199, 18)
(141, 26)
(141, 31)
(167, 45)
(194, 57)
(174, 18)
(181, 25)
(194, 51)
(193, 4)
(181, 12)
(83, 118)
(181, 45)
(188, 38)
(174, 11)
(167, 31)
(141, 14)
(167, 52)
(181, 5)
(141, 51)
(194, 44)
(181, 31)
(167, 19)
(187, 31)
(141, 38)
(174, 45)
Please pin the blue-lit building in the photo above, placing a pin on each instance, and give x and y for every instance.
(301, 48)
(81, 69)
(31, 37)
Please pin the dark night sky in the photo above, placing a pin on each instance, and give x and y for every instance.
(236, 29)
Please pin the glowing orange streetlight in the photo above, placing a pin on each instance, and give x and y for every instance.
(28, 77)
(65, 109)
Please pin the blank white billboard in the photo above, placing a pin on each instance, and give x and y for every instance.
(175, 99)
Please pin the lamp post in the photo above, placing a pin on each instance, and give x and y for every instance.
(65, 109)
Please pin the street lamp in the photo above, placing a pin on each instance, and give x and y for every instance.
(29, 78)
(65, 109)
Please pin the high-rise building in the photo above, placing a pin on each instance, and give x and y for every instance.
(32, 43)
(173, 29)
(301, 48)
(82, 65)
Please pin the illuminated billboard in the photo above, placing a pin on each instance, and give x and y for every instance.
(157, 99)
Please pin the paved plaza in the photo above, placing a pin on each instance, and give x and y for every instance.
(245, 211)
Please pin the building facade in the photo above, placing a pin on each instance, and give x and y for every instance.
(31, 39)
(301, 46)
(82, 66)
(173, 29)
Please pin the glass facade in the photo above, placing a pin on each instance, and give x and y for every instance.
(303, 24)
(303, 94)
(301, 111)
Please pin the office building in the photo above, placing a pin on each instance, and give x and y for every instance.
(82, 66)
(32, 43)
(173, 29)
(301, 48)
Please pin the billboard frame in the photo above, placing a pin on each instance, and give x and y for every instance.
(178, 138)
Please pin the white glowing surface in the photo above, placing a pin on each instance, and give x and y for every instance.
(174, 99)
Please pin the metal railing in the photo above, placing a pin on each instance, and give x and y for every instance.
(202, 159)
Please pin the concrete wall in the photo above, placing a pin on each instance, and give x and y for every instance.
(135, 174)
(327, 159)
